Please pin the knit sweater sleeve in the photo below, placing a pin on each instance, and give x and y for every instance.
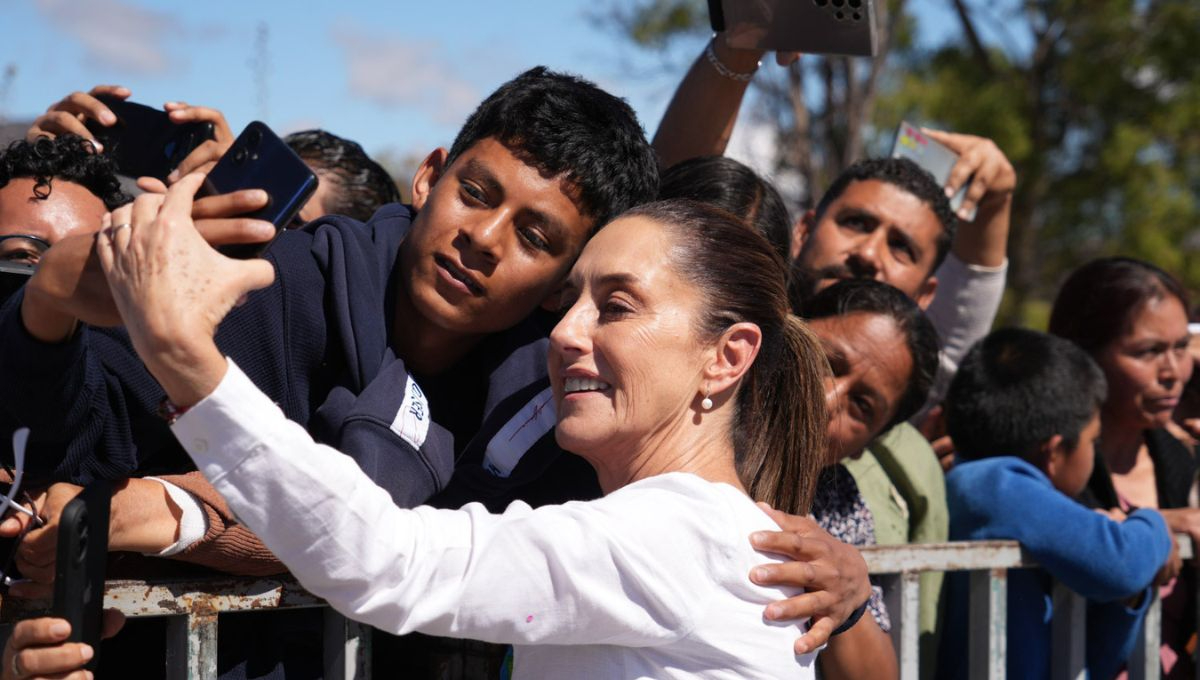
(228, 545)
(1099, 558)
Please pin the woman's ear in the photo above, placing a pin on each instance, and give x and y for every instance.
(732, 357)
(1054, 456)
(428, 175)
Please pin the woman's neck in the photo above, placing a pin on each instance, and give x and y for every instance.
(706, 452)
(1120, 446)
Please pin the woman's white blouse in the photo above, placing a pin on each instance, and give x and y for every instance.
(650, 581)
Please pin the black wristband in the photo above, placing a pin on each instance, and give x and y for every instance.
(849, 623)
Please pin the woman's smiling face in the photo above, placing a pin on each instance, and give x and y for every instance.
(625, 361)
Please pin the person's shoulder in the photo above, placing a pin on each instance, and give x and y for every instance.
(990, 479)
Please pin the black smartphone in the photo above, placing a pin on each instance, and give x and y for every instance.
(144, 142)
(80, 564)
(259, 159)
(810, 26)
(13, 275)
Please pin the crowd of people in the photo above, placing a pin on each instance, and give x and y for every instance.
(606, 406)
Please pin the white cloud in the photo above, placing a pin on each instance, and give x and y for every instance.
(120, 36)
(394, 72)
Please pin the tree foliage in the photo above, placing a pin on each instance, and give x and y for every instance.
(1097, 104)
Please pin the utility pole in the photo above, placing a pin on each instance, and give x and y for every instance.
(260, 67)
(6, 83)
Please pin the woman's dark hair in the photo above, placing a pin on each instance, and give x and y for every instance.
(734, 188)
(1097, 303)
(780, 424)
(362, 185)
(874, 297)
(567, 127)
(69, 158)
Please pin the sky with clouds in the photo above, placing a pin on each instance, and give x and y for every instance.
(396, 76)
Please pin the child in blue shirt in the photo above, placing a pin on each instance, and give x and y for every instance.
(1023, 412)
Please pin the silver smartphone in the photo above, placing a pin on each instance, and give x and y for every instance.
(931, 155)
(844, 27)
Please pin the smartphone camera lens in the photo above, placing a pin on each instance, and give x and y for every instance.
(239, 155)
(253, 138)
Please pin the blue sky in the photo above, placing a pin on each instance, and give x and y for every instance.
(399, 77)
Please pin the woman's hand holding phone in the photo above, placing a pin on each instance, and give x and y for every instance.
(172, 288)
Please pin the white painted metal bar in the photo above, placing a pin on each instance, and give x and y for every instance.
(1069, 635)
(986, 640)
(909, 625)
(1145, 663)
(347, 648)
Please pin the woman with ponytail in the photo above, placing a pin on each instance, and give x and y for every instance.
(675, 371)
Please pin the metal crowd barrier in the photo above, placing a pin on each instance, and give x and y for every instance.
(989, 562)
(192, 608)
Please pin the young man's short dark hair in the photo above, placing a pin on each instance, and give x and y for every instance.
(874, 297)
(1016, 389)
(567, 127)
(362, 185)
(68, 158)
(908, 176)
(735, 188)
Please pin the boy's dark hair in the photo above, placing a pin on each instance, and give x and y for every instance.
(69, 158)
(362, 184)
(907, 175)
(874, 297)
(567, 127)
(735, 188)
(1016, 389)
(1098, 302)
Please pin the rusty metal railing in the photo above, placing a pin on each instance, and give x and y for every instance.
(192, 608)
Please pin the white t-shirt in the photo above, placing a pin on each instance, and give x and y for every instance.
(651, 581)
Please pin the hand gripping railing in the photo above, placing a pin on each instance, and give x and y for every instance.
(192, 607)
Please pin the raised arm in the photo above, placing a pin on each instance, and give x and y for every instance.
(700, 118)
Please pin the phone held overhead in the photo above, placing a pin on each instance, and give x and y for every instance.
(845, 27)
(934, 157)
(144, 141)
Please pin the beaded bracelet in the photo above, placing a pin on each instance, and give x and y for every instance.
(724, 70)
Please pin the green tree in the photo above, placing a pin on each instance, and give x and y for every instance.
(1096, 103)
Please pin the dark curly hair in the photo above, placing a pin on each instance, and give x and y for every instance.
(70, 158)
(567, 127)
(910, 177)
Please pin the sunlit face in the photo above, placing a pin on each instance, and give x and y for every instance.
(870, 368)
(874, 230)
(69, 209)
(1074, 466)
(625, 362)
(1147, 367)
(490, 242)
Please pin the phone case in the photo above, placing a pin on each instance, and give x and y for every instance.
(931, 155)
(259, 159)
(144, 142)
(845, 27)
(80, 564)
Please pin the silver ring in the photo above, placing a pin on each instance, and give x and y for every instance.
(16, 671)
(119, 227)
